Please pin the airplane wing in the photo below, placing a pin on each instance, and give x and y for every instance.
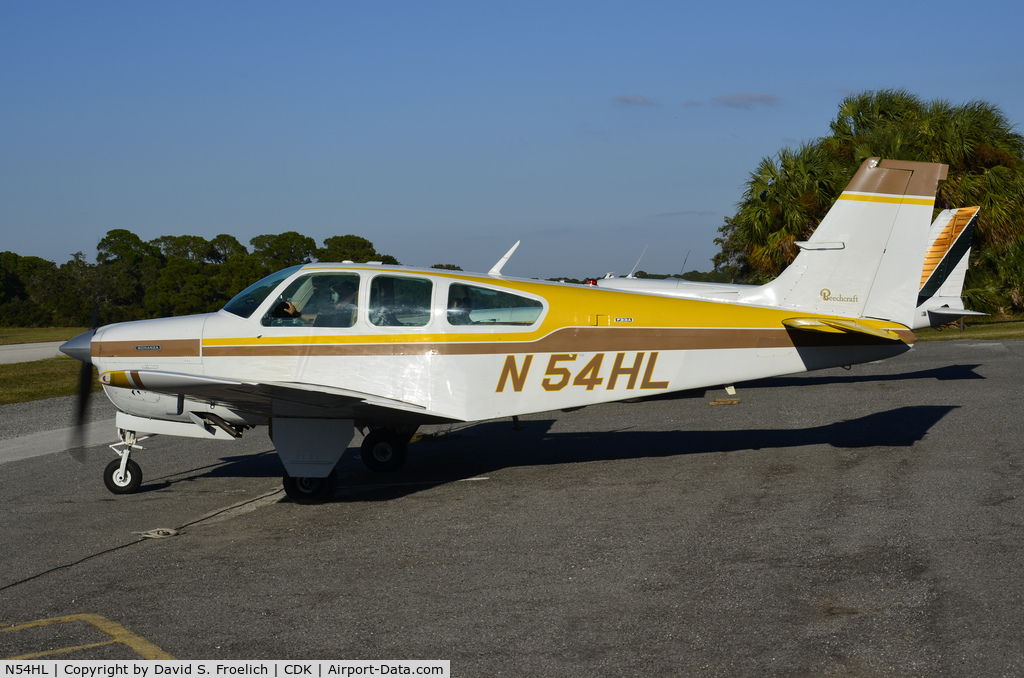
(268, 398)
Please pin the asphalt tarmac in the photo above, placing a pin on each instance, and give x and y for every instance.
(866, 522)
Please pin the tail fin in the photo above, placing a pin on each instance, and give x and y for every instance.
(865, 258)
(945, 268)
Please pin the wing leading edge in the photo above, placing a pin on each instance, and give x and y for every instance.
(267, 399)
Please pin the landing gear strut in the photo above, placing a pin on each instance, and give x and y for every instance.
(123, 476)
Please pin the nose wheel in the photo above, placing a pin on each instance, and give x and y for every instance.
(126, 480)
(123, 475)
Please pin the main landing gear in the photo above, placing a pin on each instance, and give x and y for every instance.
(123, 475)
(384, 450)
(311, 490)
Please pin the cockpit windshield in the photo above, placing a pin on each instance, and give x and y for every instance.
(249, 299)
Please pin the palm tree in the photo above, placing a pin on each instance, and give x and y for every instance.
(788, 195)
(785, 200)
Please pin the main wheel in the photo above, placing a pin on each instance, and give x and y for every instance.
(384, 450)
(310, 490)
(118, 483)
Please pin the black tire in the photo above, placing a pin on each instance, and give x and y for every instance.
(384, 450)
(131, 481)
(310, 490)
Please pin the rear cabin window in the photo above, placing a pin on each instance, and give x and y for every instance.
(317, 300)
(399, 301)
(471, 305)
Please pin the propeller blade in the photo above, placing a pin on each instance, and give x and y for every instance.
(81, 412)
(80, 348)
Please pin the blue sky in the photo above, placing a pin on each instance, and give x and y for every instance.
(445, 131)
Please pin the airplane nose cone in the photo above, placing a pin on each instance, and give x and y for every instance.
(79, 348)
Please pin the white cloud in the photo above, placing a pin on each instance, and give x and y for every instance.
(748, 99)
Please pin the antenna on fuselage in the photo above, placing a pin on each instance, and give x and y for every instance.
(682, 269)
(496, 269)
(638, 262)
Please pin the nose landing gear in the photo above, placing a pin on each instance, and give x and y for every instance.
(124, 476)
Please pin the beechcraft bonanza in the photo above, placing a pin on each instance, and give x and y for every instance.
(317, 350)
(938, 297)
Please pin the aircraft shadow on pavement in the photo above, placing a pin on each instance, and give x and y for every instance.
(947, 373)
(487, 447)
(262, 465)
(491, 446)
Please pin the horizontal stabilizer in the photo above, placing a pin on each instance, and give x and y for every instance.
(841, 325)
(957, 312)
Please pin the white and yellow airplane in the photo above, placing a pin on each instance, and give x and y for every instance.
(315, 351)
(938, 297)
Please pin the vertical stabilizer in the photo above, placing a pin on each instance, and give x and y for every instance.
(865, 258)
(945, 268)
(945, 262)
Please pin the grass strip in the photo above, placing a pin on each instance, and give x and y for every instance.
(41, 379)
(980, 329)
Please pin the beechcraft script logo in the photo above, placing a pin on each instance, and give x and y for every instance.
(826, 295)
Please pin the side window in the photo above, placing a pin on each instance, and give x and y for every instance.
(317, 300)
(397, 301)
(471, 305)
(246, 302)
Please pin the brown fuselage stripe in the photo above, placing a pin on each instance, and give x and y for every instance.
(578, 340)
(173, 348)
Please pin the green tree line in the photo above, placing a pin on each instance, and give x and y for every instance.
(169, 276)
(787, 195)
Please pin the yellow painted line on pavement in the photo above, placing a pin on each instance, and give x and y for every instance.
(118, 634)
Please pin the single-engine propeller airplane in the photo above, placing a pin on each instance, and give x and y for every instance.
(316, 350)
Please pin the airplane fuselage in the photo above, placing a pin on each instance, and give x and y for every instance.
(583, 346)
